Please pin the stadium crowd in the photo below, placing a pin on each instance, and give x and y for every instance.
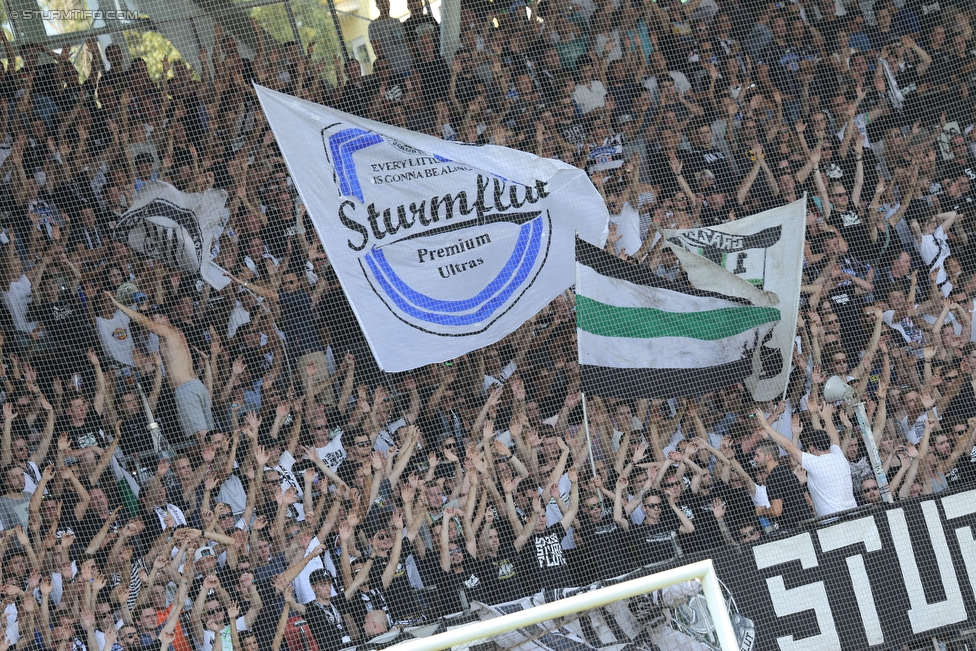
(286, 478)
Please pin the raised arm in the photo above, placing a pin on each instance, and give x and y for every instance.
(618, 515)
(570, 514)
(526, 530)
(779, 439)
(858, 170)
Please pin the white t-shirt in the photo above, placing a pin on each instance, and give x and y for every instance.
(334, 453)
(238, 317)
(31, 476)
(628, 229)
(225, 639)
(17, 299)
(761, 498)
(590, 97)
(288, 479)
(303, 589)
(934, 249)
(861, 124)
(829, 481)
(554, 514)
(116, 337)
(915, 432)
(11, 624)
(233, 494)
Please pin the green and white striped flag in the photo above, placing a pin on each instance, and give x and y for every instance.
(642, 336)
(734, 320)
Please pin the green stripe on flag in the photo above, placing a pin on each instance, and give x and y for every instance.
(648, 323)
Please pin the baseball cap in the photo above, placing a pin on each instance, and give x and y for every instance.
(128, 294)
(319, 576)
(203, 551)
(623, 118)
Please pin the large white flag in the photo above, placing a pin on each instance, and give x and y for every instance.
(441, 247)
(176, 228)
(765, 249)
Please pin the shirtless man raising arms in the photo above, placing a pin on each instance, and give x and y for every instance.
(194, 405)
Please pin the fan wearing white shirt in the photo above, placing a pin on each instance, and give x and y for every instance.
(828, 473)
(932, 241)
(16, 291)
(590, 92)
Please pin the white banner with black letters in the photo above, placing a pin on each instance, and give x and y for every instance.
(441, 247)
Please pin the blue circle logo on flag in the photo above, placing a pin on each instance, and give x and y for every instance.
(446, 248)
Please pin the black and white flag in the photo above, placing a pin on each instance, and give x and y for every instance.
(176, 228)
(765, 250)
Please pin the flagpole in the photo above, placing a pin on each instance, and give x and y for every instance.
(589, 441)
(795, 327)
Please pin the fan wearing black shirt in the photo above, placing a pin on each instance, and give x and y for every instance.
(787, 506)
(962, 162)
(460, 570)
(361, 597)
(389, 571)
(83, 427)
(706, 157)
(843, 214)
(548, 561)
(653, 539)
(324, 619)
(606, 554)
(781, 62)
(704, 533)
(57, 308)
(501, 574)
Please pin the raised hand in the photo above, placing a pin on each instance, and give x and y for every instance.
(501, 448)
(760, 416)
(450, 456)
(509, 485)
(797, 426)
(283, 409)
(87, 618)
(494, 395)
(718, 508)
(676, 164)
(640, 452)
(211, 582)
